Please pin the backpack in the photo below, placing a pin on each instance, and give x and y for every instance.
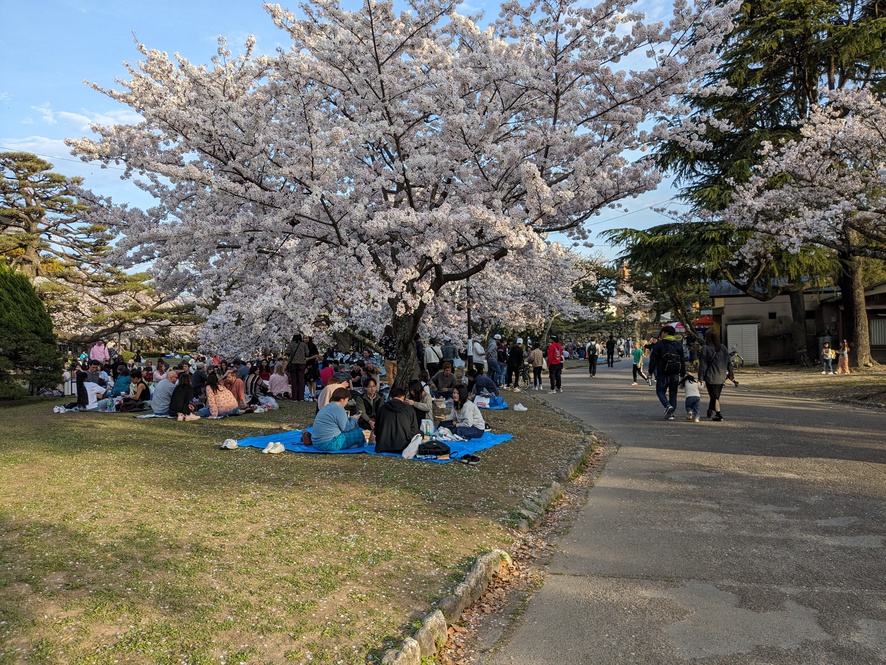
(670, 360)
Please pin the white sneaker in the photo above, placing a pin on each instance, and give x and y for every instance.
(520, 407)
(229, 444)
(277, 448)
(552, 391)
(559, 390)
(516, 390)
(412, 448)
(268, 447)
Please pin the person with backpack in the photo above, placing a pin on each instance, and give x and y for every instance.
(667, 364)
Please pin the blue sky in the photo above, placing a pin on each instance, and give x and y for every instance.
(49, 47)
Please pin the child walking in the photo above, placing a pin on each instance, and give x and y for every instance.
(637, 353)
(693, 398)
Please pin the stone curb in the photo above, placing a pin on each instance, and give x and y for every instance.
(433, 633)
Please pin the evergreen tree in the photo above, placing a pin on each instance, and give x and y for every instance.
(47, 233)
(28, 348)
(781, 59)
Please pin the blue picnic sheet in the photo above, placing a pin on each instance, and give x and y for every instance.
(498, 407)
(291, 440)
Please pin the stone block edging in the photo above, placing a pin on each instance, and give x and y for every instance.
(433, 633)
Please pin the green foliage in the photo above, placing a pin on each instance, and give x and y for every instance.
(28, 348)
(47, 233)
(781, 59)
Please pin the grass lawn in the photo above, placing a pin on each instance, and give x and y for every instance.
(137, 541)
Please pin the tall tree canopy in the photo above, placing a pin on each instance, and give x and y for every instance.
(386, 156)
(782, 59)
(48, 232)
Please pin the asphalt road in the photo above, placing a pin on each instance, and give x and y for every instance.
(759, 539)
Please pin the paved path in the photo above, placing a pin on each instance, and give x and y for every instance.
(760, 539)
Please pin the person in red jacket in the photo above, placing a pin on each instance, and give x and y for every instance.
(555, 364)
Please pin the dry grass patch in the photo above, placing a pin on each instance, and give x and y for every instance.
(137, 541)
(868, 386)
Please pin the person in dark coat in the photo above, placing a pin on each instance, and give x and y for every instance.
(180, 404)
(397, 424)
(369, 404)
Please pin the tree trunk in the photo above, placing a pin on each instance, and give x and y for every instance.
(862, 346)
(798, 323)
(544, 340)
(847, 305)
(405, 328)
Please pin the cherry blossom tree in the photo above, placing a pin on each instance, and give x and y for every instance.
(828, 188)
(351, 180)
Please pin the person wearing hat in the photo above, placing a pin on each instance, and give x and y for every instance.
(495, 370)
(515, 363)
(555, 364)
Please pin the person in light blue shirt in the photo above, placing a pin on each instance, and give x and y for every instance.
(333, 429)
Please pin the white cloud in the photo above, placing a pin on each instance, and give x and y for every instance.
(46, 113)
(5, 96)
(82, 121)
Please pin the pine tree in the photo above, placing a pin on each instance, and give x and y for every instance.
(781, 59)
(28, 347)
(47, 232)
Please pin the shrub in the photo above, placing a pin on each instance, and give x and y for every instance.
(28, 347)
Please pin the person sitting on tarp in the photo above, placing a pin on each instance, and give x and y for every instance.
(397, 424)
(368, 404)
(465, 418)
(444, 381)
(478, 383)
(333, 429)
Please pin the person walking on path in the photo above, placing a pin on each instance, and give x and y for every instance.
(827, 359)
(593, 355)
(667, 364)
(714, 367)
(843, 358)
(610, 351)
(637, 354)
(555, 364)
(537, 361)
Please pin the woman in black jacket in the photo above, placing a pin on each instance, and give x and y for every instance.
(369, 404)
(714, 367)
(180, 403)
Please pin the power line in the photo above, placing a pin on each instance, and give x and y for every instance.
(61, 159)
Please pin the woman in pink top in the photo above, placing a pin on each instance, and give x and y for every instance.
(278, 385)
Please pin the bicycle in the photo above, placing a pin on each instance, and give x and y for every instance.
(803, 358)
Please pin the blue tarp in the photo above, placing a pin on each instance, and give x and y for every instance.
(291, 440)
